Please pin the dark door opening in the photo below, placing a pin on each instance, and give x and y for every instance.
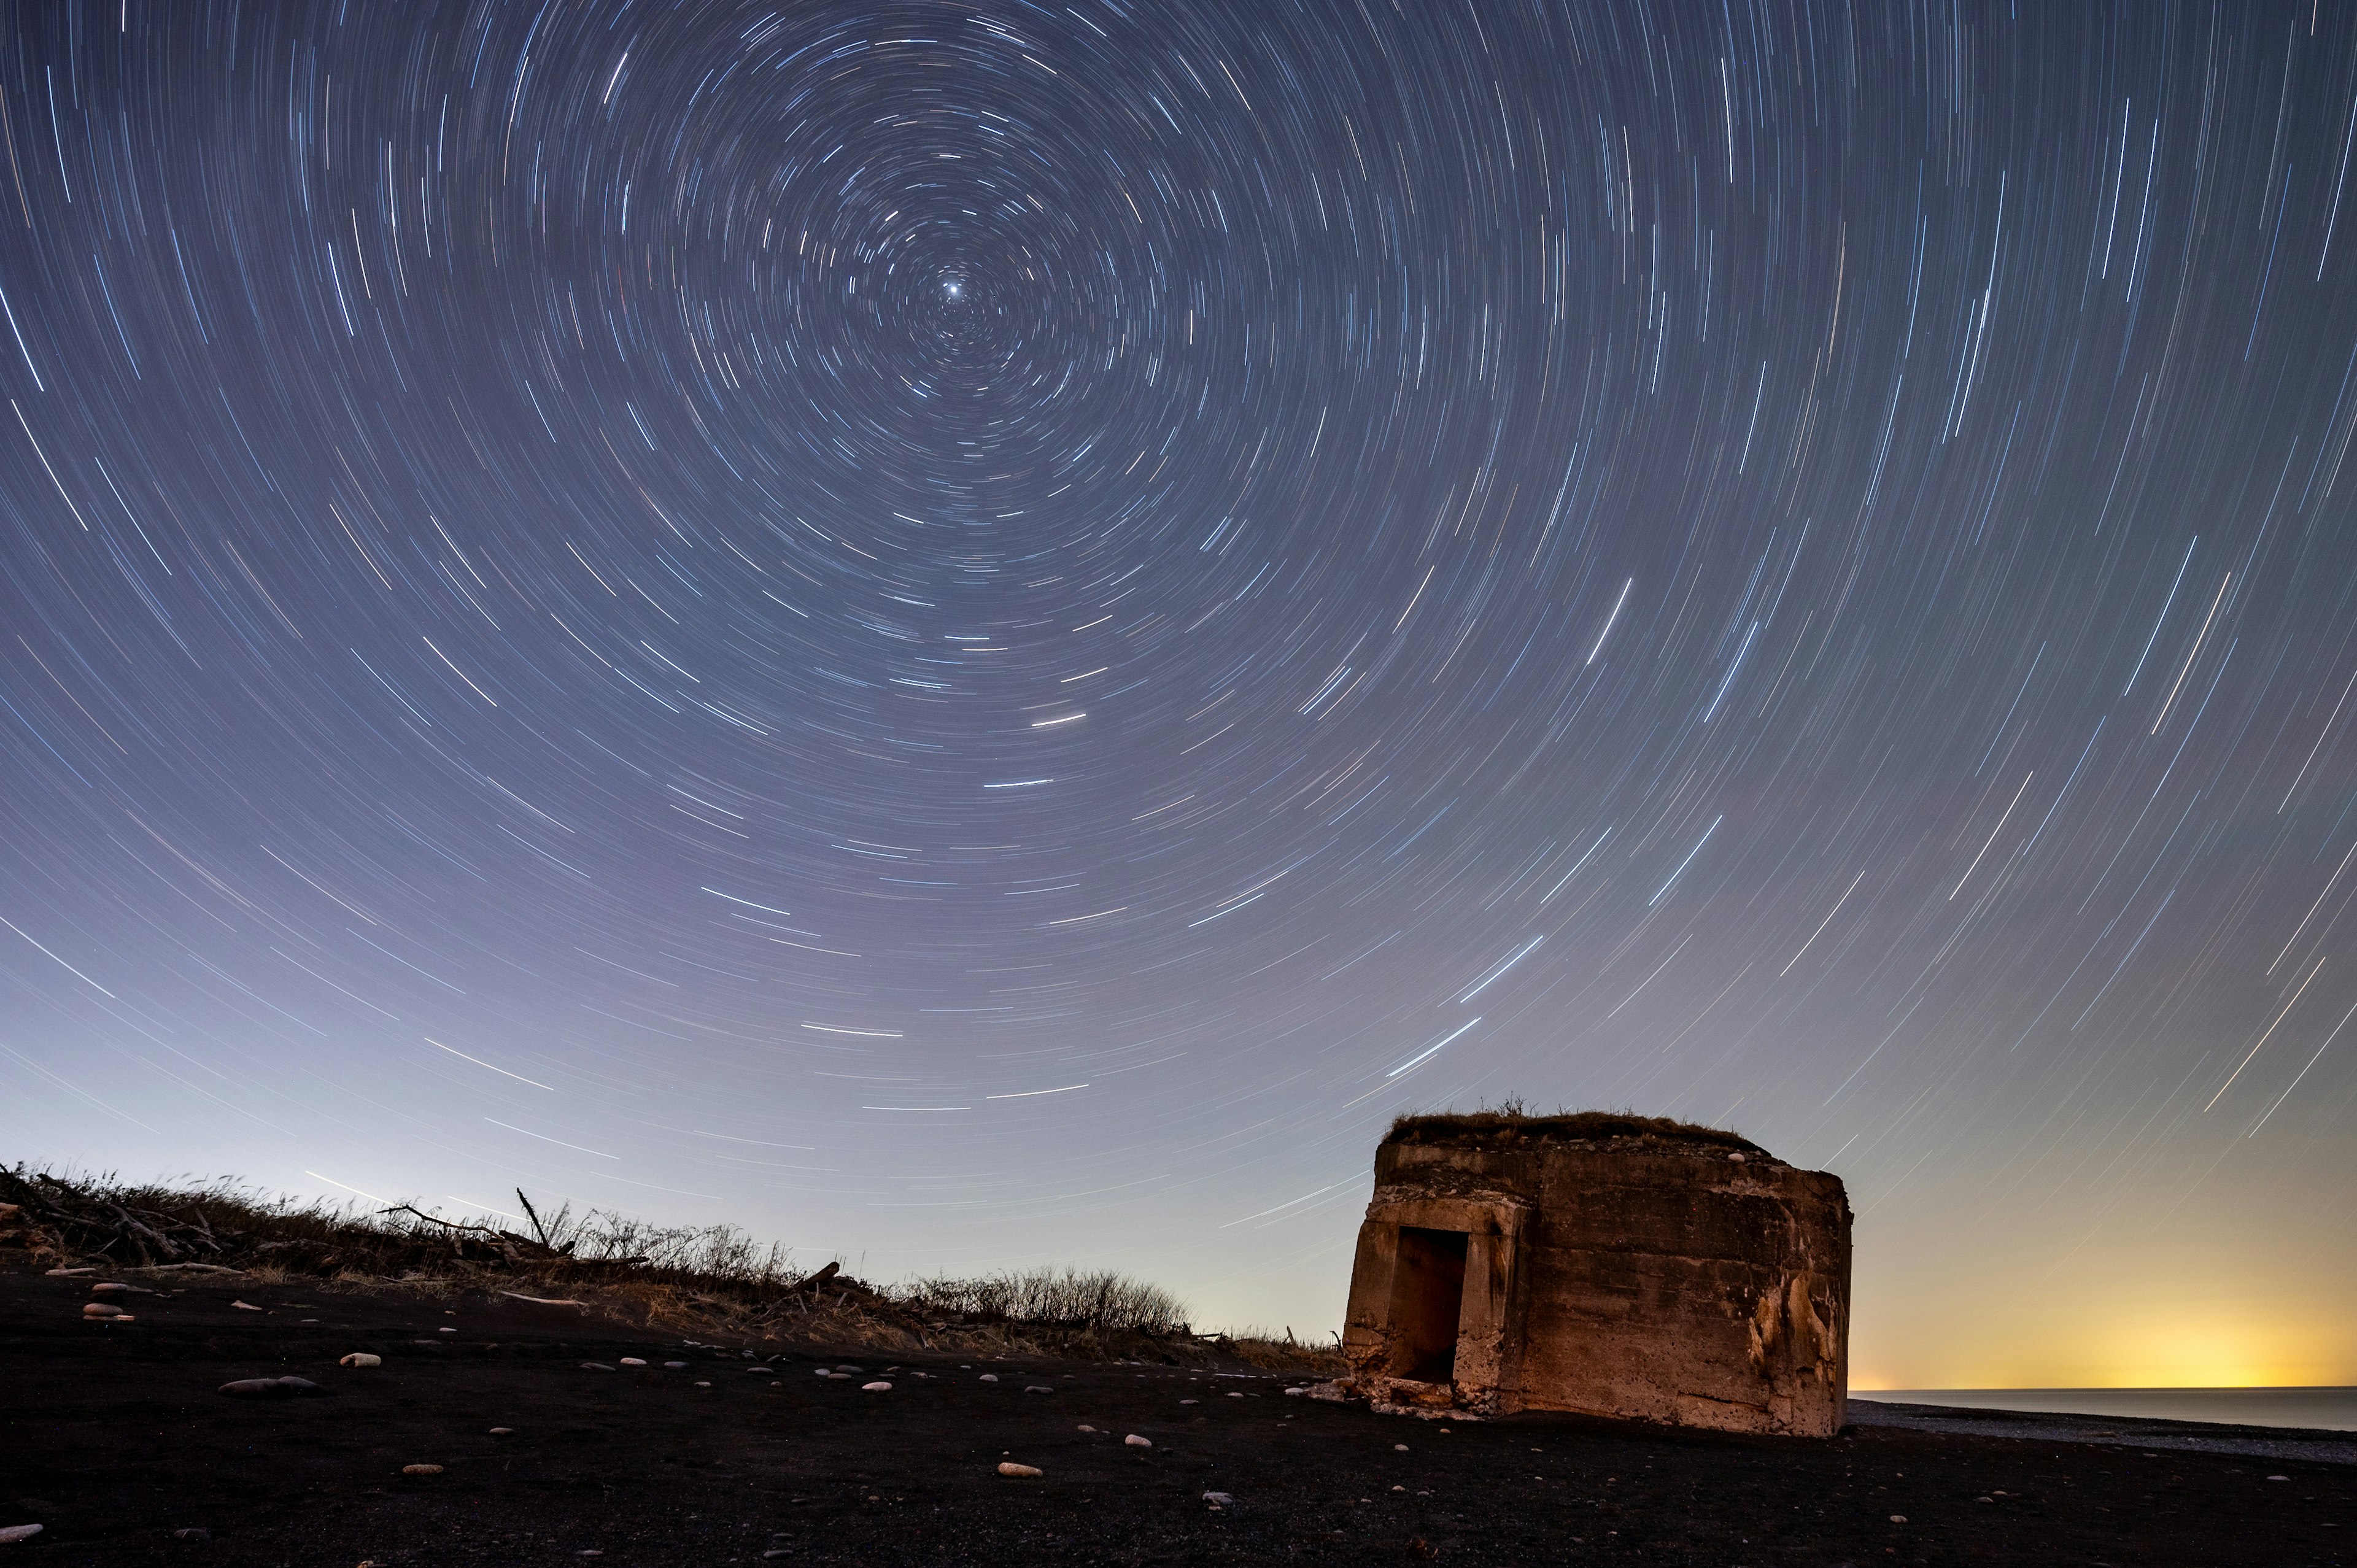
(1427, 1295)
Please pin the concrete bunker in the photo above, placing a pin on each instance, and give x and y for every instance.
(1621, 1266)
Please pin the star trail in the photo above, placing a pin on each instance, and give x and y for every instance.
(986, 632)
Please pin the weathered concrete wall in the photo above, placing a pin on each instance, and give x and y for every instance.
(1631, 1278)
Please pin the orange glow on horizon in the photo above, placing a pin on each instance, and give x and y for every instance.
(2180, 1348)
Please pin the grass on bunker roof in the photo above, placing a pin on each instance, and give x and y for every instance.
(1512, 1124)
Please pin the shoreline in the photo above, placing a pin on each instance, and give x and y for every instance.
(2313, 1444)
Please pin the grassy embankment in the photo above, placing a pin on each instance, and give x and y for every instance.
(713, 1280)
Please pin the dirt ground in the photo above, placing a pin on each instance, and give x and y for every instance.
(113, 1438)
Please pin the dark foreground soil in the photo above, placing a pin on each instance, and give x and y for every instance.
(113, 1438)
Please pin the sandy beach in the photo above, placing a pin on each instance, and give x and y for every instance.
(123, 1451)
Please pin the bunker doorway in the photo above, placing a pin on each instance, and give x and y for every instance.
(1427, 1297)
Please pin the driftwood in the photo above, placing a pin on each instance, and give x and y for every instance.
(101, 1230)
(515, 1251)
(503, 1241)
(437, 1220)
(67, 1224)
(542, 1230)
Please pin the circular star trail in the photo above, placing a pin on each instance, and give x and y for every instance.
(982, 632)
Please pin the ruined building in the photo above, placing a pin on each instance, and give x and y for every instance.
(1610, 1266)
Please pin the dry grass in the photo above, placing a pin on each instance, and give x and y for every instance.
(707, 1281)
(1063, 1298)
(222, 1223)
(1511, 1123)
(1271, 1353)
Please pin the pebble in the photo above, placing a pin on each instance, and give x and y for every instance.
(821, 1372)
(361, 1359)
(310, 1322)
(1295, 1393)
(1088, 1428)
(1020, 1472)
(1134, 1441)
(100, 1309)
(1735, 1159)
(445, 1331)
(1190, 1401)
(245, 1307)
(990, 1377)
(673, 1366)
(421, 1469)
(702, 1385)
(18, 1533)
(849, 1371)
(762, 1372)
(2278, 1478)
(1236, 1396)
(595, 1366)
(1399, 1447)
(1899, 1519)
(267, 1388)
(877, 1387)
(108, 1287)
(1218, 1499)
(632, 1361)
(1037, 1389)
(502, 1431)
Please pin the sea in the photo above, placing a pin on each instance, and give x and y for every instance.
(2316, 1409)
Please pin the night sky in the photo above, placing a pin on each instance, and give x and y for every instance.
(984, 633)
